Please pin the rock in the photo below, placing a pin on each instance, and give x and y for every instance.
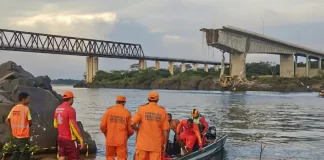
(43, 82)
(5, 107)
(43, 102)
(87, 138)
(13, 69)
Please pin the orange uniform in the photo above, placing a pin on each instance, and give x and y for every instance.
(153, 120)
(115, 124)
(19, 120)
(189, 135)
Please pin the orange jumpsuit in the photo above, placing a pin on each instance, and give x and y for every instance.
(162, 154)
(189, 135)
(115, 124)
(152, 120)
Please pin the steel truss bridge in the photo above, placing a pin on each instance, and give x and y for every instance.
(13, 40)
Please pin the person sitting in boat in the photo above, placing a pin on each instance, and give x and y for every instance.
(174, 148)
(189, 136)
(200, 121)
(202, 124)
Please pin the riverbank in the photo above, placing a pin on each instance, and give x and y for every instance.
(190, 80)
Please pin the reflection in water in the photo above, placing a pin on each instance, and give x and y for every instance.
(290, 124)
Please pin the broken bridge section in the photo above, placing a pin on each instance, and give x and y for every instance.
(239, 42)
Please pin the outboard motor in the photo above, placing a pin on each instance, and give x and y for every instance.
(211, 133)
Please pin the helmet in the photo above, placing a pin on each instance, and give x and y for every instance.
(195, 113)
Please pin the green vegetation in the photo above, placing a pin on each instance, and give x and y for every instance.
(65, 81)
(10, 148)
(135, 76)
(264, 75)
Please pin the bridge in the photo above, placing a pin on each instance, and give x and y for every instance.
(13, 40)
(239, 42)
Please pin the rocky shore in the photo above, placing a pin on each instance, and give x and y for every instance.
(275, 84)
(44, 100)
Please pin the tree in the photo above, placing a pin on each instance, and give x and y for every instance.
(176, 69)
(272, 67)
(188, 66)
(262, 68)
(85, 76)
(134, 67)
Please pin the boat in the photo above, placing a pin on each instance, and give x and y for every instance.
(210, 149)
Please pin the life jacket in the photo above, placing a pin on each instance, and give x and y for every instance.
(19, 121)
(197, 121)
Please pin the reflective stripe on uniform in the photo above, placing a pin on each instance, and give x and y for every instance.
(22, 111)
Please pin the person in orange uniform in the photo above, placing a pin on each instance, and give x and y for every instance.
(19, 120)
(115, 125)
(68, 130)
(189, 135)
(152, 129)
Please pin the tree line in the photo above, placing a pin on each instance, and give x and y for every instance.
(134, 75)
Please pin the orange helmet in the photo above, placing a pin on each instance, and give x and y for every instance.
(195, 113)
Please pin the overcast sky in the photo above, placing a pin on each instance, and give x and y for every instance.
(166, 28)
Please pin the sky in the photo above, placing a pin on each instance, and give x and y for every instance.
(164, 28)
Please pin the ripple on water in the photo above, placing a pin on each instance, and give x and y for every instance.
(290, 124)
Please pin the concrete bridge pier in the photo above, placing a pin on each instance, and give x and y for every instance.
(301, 71)
(237, 64)
(314, 71)
(171, 67)
(295, 65)
(320, 64)
(142, 64)
(216, 67)
(287, 65)
(92, 68)
(307, 65)
(157, 65)
(206, 67)
(183, 67)
(195, 66)
(308, 70)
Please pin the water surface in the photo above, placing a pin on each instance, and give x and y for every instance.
(290, 125)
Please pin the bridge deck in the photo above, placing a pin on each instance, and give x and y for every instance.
(230, 38)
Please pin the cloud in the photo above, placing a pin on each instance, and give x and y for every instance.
(165, 28)
(95, 25)
(51, 19)
(173, 39)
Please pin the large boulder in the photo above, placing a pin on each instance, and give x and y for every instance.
(43, 102)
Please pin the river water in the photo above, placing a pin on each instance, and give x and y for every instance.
(289, 124)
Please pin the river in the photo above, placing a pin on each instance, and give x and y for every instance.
(289, 124)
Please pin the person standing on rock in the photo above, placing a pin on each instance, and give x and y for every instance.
(19, 120)
(115, 125)
(152, 132)
(68, 130)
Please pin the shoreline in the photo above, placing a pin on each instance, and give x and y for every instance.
(241, 88)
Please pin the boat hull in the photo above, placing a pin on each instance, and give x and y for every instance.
(209, 151)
